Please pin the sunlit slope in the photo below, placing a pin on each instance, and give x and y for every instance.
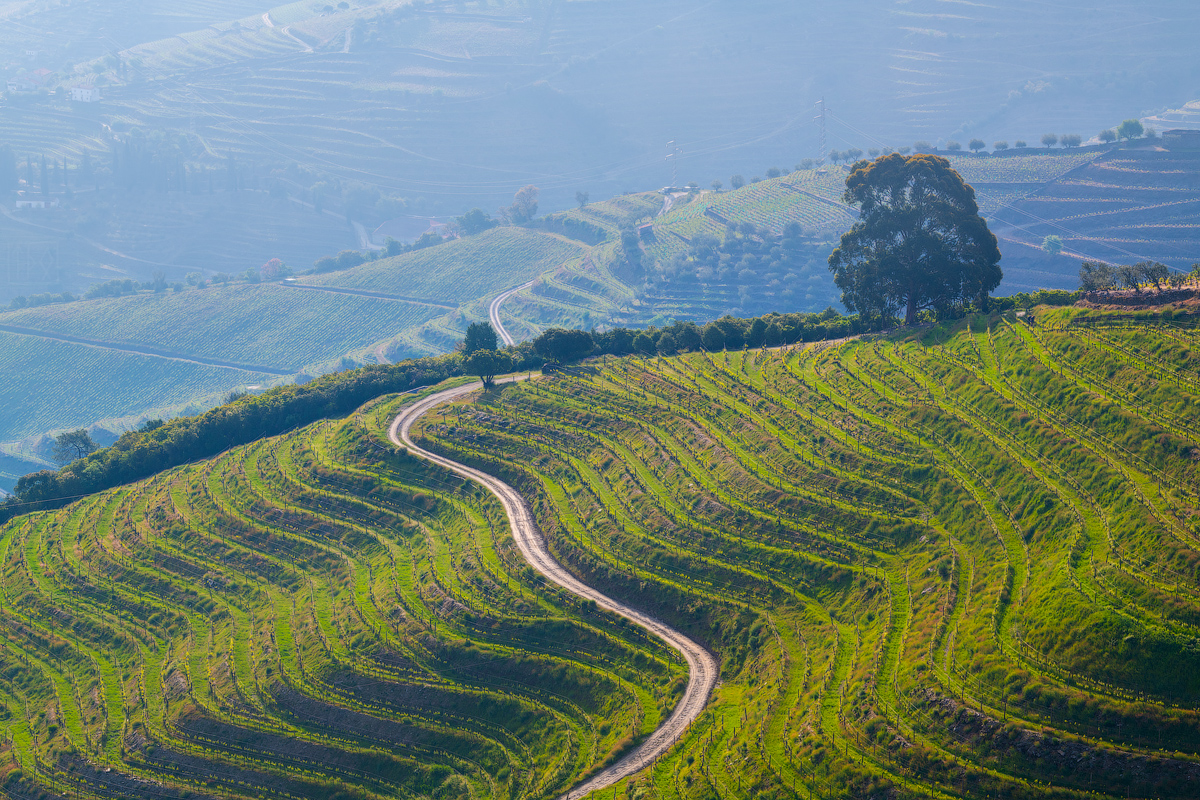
(968, 560)
(475, 266)
(314, 616)
(956, 562)
(280, 328)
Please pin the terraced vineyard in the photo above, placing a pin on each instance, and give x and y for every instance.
(1126, 206)
(947, 563)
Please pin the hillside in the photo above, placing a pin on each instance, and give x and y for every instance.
(696, 255)
(441, 106)
(1127, 205)
(950, 562)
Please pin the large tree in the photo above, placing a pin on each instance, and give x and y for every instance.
(480, 336)
(919, 242)
(487, 364)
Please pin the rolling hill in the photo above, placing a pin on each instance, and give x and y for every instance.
(446, 105)
(952, 562)
(576, 269)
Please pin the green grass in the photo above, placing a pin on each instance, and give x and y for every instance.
(263, 325)
(955, 562)
(64, 385)
(460, 270)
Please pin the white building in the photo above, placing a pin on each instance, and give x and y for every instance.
(85, 94)
(52, 203)
(20, 85)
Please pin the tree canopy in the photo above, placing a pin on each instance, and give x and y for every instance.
(480, 336)
(487, 364)
(559, 344)
(71, 445)
(919, 242)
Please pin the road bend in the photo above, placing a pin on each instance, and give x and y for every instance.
(494, 312)
(702, 666)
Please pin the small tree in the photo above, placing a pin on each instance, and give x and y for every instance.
(480, 336)
(713, 338)
(716, 186)
(1108, 136)
(953, 146)
(853, 154)
(72, 445)
(475, 221)
(873, 152)
(1049, 139)
(524, 206)
(1130, 277)
(158, 280)
(1020, 144)
(1130, 129)
(976, 145)
(737, 182)
(774, 172)
(487, 364)
(274, 270)
(835, 156)
(1153, 272)
(582, 198)
(666, 345)
(1052, 245)
(1000, 145)
(1096, 276)
(1071, 140)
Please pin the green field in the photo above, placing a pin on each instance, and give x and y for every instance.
(264, 325)
(958, 562)
(65, 385)
(462, 269)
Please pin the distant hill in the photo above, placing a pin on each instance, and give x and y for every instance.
(441, 106)
(634, 259)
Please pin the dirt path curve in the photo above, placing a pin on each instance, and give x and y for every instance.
(701, 665)
(494, 312)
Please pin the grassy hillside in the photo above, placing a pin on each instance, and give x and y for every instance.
(266, 325)
(952, 562)
(583, 273)
(312, 616)
(55, 385)
(476, 266)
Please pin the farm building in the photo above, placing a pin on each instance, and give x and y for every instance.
(83, 93)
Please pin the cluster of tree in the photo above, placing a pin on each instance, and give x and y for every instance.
(158, 446)
(919, 243)
(113, 288)
(1097, 276)
(44, 299)
(559, 345)
(746, 255)
(1129, 129)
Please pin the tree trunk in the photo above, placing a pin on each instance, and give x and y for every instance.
(910, 316)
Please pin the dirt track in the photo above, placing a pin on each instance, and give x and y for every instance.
(701, 665)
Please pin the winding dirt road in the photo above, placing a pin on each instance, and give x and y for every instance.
(494, 312)
(701, 665)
